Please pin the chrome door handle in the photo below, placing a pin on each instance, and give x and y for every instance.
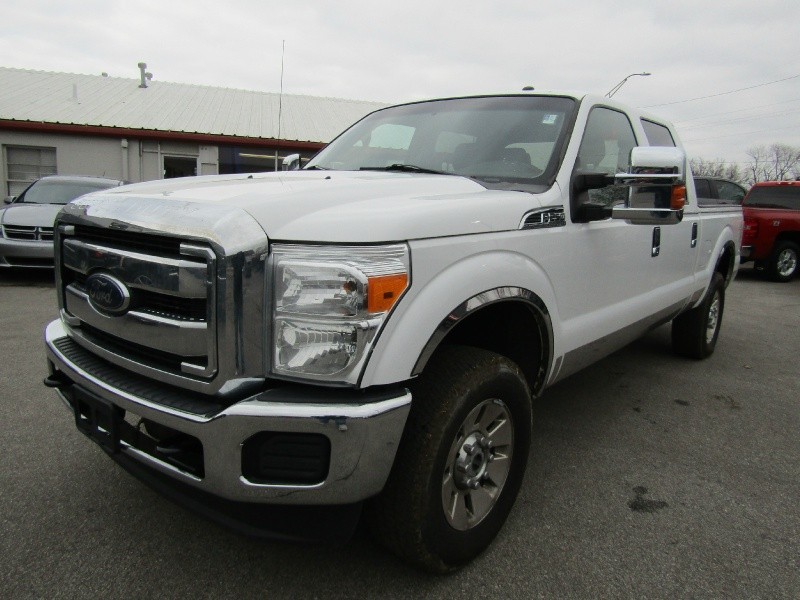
(656, 249)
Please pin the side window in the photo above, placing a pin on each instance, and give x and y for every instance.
(607, 142)
(657, 134)
(703, 189)
(24, 165)
(729, 192)
(605, 148)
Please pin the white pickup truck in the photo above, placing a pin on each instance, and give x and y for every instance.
(273, 350)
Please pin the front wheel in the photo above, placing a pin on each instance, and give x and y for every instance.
(460, 462)
(783, 262)
(695, 332)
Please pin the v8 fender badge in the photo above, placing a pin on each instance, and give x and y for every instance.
(107, 294)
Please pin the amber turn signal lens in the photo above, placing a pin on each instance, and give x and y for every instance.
(678, 199)
(384, 291)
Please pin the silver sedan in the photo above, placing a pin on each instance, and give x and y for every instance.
(26, 225)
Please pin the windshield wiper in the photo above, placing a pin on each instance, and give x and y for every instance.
(405, 168)
(316, 168)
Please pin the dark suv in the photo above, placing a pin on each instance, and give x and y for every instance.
(772, 228)
(715, 190)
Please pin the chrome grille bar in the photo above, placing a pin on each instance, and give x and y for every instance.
(170, 276)
(183, 338)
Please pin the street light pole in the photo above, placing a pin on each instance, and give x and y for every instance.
(617, 87)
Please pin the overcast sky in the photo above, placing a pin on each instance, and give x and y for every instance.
(726, 72)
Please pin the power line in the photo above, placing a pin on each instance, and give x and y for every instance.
(730, 112)
(723, 93)
(725, 162)
(739, 120)
(740, 133)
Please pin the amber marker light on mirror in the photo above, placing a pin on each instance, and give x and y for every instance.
(384, 291)
(678, 198)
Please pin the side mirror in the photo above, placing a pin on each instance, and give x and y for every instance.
(657, 187)
(9, 199)
(291, 163)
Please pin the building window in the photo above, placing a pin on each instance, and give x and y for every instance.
(237, 159)
(25, 164)
(179, 166)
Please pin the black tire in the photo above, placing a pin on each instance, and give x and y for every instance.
(782, 264)
(695, 332)
(462, 394)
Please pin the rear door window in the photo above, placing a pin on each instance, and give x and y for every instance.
(729, 193)
(657, 134)
(703, 189)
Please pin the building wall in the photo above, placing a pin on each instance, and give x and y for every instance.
(134, 160)
(147, 158)
(99, 157)
(126, 159)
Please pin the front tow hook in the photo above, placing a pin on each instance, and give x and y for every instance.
(57, 380)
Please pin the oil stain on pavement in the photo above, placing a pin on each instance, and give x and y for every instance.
(645, 505)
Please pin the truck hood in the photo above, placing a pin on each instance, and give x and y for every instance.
(30, 215)
(337, 206)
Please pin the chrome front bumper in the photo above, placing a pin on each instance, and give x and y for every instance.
(364, 431)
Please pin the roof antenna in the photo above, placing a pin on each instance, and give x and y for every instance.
(280, 103)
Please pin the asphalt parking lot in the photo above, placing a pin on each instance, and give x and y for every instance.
(650, 476)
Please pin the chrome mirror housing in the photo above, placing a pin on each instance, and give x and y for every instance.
(291, 163)
(657, 186)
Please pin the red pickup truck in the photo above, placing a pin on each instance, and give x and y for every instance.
(772, 228)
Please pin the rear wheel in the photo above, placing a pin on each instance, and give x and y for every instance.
(695, 332)
(783, 262)
(460, 463)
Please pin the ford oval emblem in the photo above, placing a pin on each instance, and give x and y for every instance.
(107, 294)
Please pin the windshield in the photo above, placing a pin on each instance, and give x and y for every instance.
(774, 196)
(495, 140)
(60, 192)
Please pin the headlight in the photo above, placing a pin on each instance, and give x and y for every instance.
(329, 304)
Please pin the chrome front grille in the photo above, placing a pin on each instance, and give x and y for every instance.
(191, 283)
(169, 326)
(28, 233)
(153, 244)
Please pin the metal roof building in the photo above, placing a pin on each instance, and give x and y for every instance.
(140, 129)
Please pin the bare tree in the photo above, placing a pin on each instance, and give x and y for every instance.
(777, 162)
(717, 168)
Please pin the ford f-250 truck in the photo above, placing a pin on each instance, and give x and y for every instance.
(274, 348)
